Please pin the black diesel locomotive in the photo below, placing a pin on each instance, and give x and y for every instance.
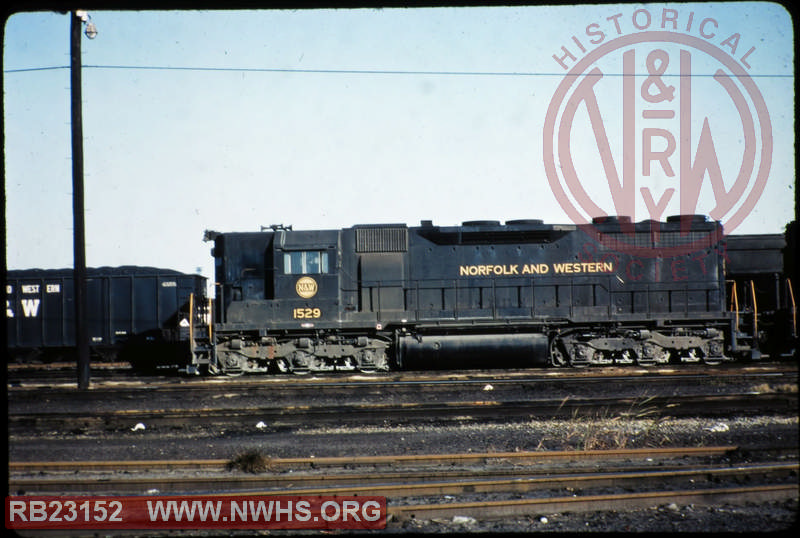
(376, 297)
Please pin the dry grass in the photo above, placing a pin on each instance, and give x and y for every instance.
(766, 388)
(252, 462)
(607, 431)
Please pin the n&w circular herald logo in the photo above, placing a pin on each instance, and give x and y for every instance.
(657, 115)
(306, 287)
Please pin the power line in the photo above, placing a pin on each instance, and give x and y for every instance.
(357, 71)
(29, 69)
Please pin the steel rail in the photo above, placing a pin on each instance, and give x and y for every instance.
(401, 485)
(675, 405)
(625, 501)
(626, 374)
(387, 460)
(13, 366)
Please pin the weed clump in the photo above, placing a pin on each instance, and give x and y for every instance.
(252, 462)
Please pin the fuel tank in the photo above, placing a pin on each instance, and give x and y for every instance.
(486, 350)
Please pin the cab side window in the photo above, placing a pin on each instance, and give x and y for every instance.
(305, 262)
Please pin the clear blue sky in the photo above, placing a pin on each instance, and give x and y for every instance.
(329, 118)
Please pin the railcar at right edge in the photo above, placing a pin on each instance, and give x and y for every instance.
(761, 278)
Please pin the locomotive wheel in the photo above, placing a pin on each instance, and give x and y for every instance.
(371, 361)
(651, 355)
(581, 356)
(644, 362)
(707, 358)
(231, 364)
(299, 362)
(712, 353)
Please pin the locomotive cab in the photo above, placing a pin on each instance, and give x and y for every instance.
(279, 306)
(306, 278)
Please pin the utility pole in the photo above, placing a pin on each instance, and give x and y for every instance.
(77, 18)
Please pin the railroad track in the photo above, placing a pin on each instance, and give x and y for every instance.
(26, 423)
(400, 398)
(433, 486)
(65, 372)
(594, 503)
(408, 385)
(373, 462)
(119, 375)
(494, 485)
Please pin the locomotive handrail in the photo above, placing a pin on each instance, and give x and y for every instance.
(210, 320)
(191, 321)
(794, 307)
(755, 310)
(734, 307)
